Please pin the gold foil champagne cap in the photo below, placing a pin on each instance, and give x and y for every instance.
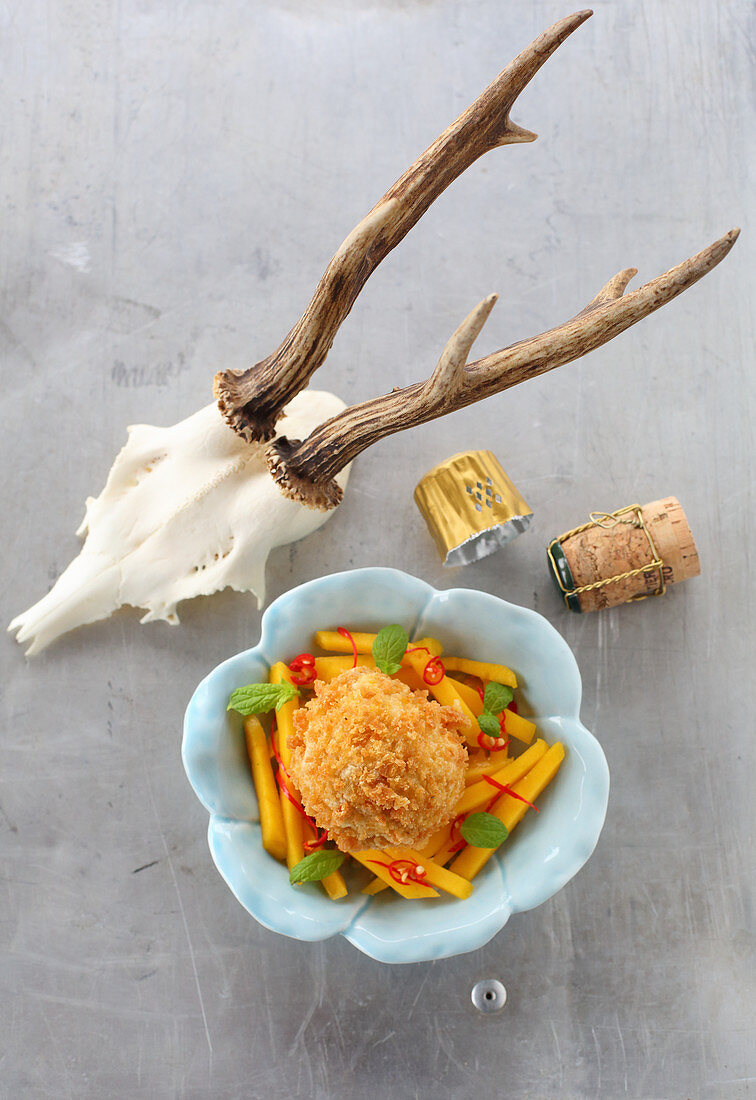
(471, 507)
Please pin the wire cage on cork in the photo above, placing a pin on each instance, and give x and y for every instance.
(624, 556)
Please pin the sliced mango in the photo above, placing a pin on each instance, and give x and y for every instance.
(435, 874)
(482, 792)
(333, 642)
(485, 670)
(517, 726)
(469, 694)
(328, 668)
(511, 810)
(445, 692)
(428, 849)
(297, 829)
(376, 862)
(268, 800)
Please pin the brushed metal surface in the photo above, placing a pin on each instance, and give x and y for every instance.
(176, 176)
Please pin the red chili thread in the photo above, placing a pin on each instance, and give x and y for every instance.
(319, 839)
(313, 845)
(508, 790)
(456, 835)
(342, 630)
(513, 707)
(434, 671)
(302, 669)
(398, 867)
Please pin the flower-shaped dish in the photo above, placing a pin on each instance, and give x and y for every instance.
(540, 857)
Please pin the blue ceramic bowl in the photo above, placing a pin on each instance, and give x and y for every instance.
(541, 856)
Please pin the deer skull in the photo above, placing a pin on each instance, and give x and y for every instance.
(186, 511)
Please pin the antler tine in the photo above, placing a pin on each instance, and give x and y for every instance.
(305, 471)
(252, 400)
(449, 374)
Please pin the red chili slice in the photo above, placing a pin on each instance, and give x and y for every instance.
(302, 669)
(399, 867)
(434, 671)
(491, 748)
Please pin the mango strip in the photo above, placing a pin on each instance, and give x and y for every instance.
(470, 695)
(333, 642)
(482, 792)
(292, 819)
(486, 767)
(334, 886)
(510, 810)
(440, 847)
(409, 677)
(268, 800)
(435, 842)
(374, 887)
(514, 724)
(297, 829)
(328, 668)
(435, 874)
(477, 796)
(445, 692)
(376, 861)
(517, 726)
(483, 669)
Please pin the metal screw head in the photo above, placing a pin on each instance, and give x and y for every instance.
(489, 995)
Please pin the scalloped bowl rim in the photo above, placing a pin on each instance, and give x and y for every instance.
(528, 869)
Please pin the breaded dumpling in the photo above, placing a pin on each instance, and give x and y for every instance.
(377, 764)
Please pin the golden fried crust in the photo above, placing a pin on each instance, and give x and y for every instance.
(377, 764)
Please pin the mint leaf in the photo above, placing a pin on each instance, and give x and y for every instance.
(389, 648)
(316, 866)
(259, 698)
(497, 697)
(484, 831)
(489, 724)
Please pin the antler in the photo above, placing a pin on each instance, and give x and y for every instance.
(252, 400)
(305, 471)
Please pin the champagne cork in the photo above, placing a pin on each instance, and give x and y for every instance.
(624, 555)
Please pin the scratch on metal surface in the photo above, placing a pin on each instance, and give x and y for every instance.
(622, 1044)
(301, 1030)
(559, 1053)
(448, 1049)
(186, 927)
(598, 1060)
(384, 1039)
(654, 910)
(420, 989)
